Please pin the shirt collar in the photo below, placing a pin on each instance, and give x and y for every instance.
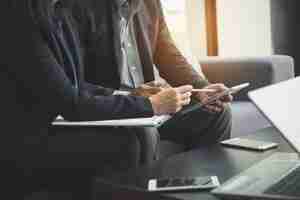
(56, 2)
(119, 3)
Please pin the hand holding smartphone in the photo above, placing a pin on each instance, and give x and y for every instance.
(183, 183)
(230, 91)
(213, 98)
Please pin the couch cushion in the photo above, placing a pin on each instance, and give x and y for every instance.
(246, 118)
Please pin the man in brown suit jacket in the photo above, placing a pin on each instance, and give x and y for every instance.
(128, 39)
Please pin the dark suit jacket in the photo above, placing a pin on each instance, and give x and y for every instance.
(35, 87)
(154, 44)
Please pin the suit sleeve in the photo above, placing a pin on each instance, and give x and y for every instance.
(30, 61)
(97, 89)
(172, 65)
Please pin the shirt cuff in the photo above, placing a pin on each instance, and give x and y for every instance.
(121, 92)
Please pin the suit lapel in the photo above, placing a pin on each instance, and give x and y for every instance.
(144, 44)
(74, 45)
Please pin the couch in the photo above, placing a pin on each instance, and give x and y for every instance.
(259, 71)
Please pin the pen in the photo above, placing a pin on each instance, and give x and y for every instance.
(203, 90)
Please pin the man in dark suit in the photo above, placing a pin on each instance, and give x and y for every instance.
(129, 38)
(42, 77)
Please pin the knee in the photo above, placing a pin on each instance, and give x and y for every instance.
(149, 141)
(227, 115)
(225, 122)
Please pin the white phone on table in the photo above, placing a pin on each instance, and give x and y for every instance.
(249, 144)
(183, 183)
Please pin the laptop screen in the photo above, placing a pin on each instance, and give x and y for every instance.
(280, 103)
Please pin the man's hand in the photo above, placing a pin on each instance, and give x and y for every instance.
(218, 105)
(171, 100)
(149, 89)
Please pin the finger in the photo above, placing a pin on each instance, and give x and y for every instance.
(218, 103)
(213, 108)
(185, 88)
(209, 109)
(218, 86)
(185, 95)
(185, 102)
(227, 98)
(224, 105)
(204, 100)
(220, 106)
(178, 109)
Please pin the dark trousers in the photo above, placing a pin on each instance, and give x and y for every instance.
(74, 156)
(198, 128)
(93, 148)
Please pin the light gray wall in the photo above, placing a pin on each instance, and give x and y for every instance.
(244, 27)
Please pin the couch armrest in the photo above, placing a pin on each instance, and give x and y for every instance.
(259, 71)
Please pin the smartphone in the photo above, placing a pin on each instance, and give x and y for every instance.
(231, 90)
(249, 144)
(212, 99)
(183, 183)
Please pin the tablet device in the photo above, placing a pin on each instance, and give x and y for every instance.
(213, 98)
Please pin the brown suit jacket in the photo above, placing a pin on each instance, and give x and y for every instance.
(154, 41)
(157, 47)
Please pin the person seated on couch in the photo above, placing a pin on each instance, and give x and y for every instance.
(136, 38)
(42, 77)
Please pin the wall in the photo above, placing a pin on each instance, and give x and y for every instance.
(186, 21)
(244, 27)
(195, 12)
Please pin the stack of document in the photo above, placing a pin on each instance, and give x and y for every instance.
(154, 121)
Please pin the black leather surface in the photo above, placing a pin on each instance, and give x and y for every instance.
(214, 160)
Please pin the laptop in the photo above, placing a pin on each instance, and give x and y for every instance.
(278, 176)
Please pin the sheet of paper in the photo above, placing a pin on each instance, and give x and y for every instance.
(154, 121)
